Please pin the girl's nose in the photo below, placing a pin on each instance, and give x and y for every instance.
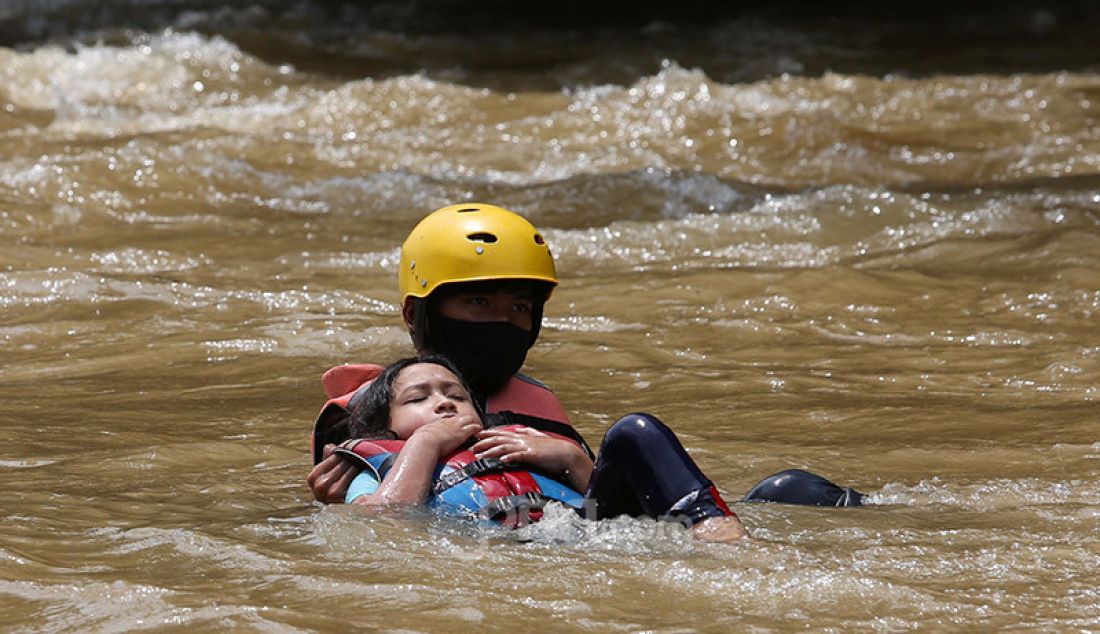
(444, 404)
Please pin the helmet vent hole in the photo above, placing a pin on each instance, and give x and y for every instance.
(468, 210)
(487, 238)
(538, 239)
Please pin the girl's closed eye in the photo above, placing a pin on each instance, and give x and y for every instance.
(413, 397)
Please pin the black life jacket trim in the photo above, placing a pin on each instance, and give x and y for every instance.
(347, 449)
(458, 476)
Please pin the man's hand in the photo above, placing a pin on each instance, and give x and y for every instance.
(329, 479)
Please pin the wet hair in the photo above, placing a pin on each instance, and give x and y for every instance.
(370, 418)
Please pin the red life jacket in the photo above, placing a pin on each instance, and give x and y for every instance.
(464, 485)
(521, 394)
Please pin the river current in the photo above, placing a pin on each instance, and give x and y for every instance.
(794, 254)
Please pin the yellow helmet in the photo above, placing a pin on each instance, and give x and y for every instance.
(472, 242)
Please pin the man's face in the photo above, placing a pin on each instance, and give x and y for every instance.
(510, 301)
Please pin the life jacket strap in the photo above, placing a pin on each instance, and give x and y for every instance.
(478, 467)
(514, 505)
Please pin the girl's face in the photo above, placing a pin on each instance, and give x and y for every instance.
(424, 393)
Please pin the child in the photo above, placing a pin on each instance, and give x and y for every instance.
(421, 438)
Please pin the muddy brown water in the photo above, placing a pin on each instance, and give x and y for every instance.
(892, 280)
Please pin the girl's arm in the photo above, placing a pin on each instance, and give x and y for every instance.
(410, 477)
(558, 458)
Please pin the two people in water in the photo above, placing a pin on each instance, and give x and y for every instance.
(421, 437)
(474, 279)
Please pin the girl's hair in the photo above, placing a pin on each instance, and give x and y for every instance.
(370, 418)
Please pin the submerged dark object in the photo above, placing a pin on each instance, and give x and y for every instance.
(795, 486)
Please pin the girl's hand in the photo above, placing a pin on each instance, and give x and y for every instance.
(556, 457)
(447, 433)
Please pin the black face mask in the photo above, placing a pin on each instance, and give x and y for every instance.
(487, 352)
